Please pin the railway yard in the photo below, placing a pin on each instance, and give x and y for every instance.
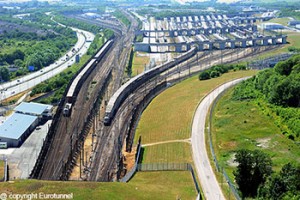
(94, 124)
(111, 122)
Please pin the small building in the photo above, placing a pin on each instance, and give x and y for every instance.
(22, 122)
(34, 109)
(17, 128)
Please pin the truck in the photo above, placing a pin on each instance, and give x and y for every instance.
(3, 145)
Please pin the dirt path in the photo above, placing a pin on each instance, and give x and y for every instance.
(168, 141)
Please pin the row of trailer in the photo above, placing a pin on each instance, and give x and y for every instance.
(81, 76)
(125, 90)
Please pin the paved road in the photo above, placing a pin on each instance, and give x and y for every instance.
(208, 181)
(26, 82)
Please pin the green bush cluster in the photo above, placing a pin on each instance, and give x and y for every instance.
(218, 70)
(128, 69)
(277, 90)
(294, 49)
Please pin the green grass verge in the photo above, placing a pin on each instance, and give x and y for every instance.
(242, 124)
(177, 152)
(2, 169)
(284, 21)
(144, 185)
(138, 63)
(169, 115)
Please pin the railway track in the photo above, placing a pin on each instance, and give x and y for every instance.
(71, 131)
(116, 133)
(107, 159)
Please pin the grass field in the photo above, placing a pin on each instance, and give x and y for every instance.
(144, 185)
(238, 125)
(2, 169)
(284, 21)
(169, 115)
(139, 62)
(178, 152)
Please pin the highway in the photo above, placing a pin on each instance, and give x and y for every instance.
(26, 82)
(208, 181)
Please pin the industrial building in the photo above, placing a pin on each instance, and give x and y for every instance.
(17, 128)
(206, 32)
(27, 116)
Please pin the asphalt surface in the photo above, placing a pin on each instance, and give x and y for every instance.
(26, 82)
(22, 160)
(208, 181)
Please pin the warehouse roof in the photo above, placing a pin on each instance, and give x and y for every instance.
(16, 125)
(31, 108)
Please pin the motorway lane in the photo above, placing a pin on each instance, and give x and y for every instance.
(208, 181)
(26, 82)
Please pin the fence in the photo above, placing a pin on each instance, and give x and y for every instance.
(230, 184)
(138, 112)
(129, 175)
(171, 167)
(269, 62)
(5, 173)
(160, 167)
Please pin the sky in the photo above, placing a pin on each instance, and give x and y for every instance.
(221, 1)
(180, 1)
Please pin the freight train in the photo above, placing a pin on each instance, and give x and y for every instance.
(81, 76)
(125, 90)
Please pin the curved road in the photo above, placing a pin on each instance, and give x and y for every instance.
(208, 181)
(26, 82)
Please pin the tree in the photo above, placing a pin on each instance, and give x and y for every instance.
(204, 75)
(4, 74)
(18, 63)
(284, 67)
(214, 74)
(18, 54)
(253, 169)
(283, 185)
